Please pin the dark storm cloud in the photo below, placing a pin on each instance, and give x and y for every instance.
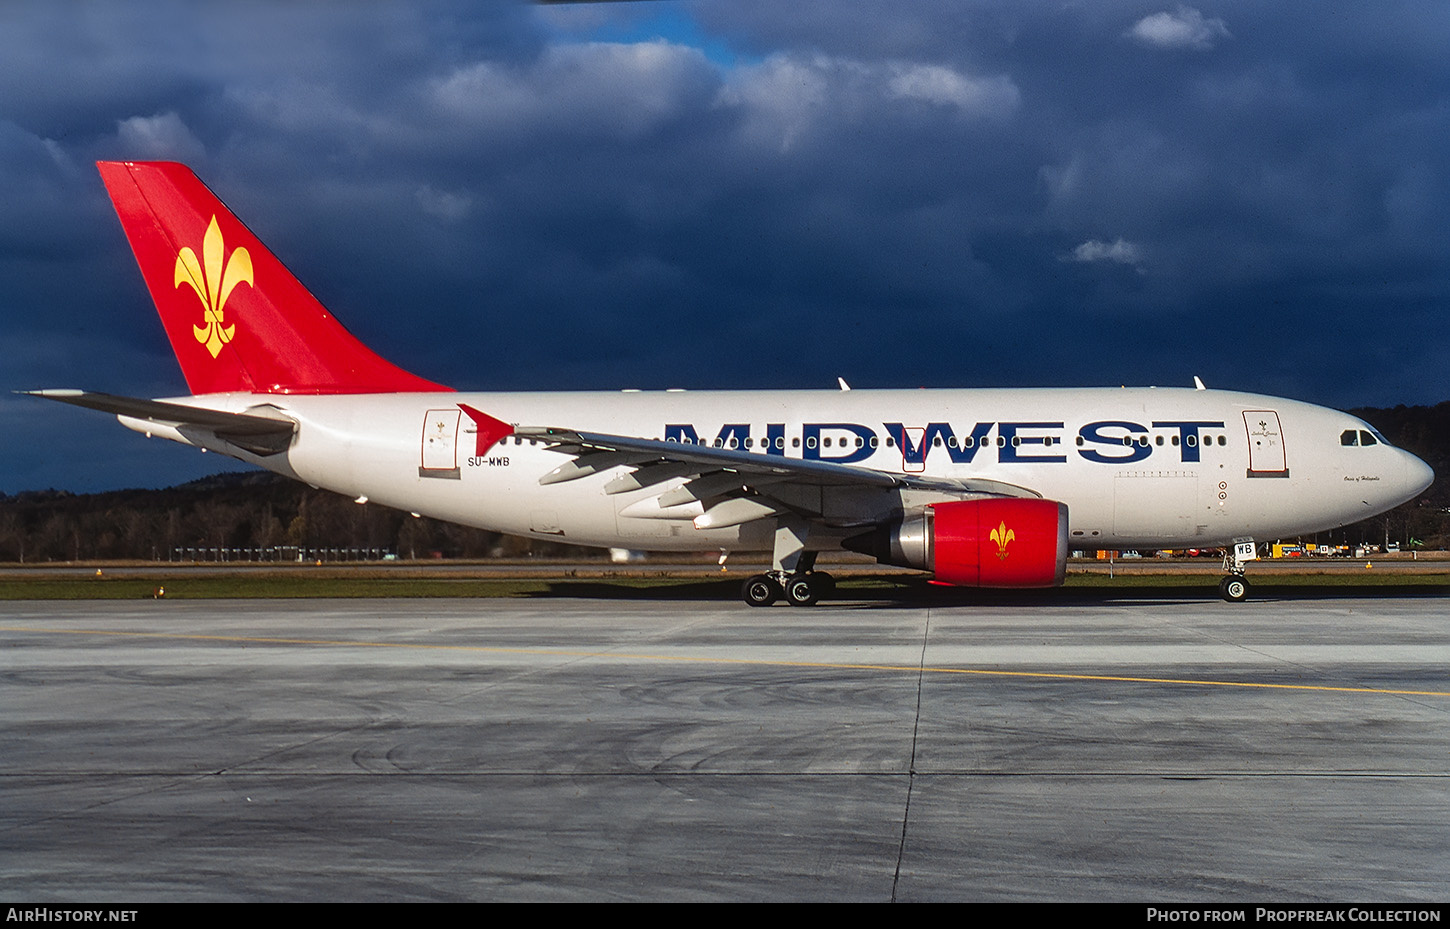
(751, 193)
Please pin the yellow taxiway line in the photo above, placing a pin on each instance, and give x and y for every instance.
(773, 663)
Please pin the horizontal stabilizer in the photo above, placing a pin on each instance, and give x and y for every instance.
(260, 434)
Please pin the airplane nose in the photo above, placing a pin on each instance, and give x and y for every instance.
(1417, 475)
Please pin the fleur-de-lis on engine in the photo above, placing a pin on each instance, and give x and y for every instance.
(213, 282)
(1002, 536)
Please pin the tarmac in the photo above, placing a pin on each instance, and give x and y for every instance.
(1065, 746)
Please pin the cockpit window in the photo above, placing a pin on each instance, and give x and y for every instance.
(1362, 437)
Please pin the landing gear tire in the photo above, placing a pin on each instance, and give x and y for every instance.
(1234, 588)
(760, 590)
(801, 590)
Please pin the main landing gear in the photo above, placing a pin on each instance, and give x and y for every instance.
(803, 588)
(792, 576)
(1235, 587)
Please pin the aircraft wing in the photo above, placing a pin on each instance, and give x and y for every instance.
(731, 486)
(260, 434)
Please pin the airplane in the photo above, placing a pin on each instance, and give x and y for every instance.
(982, 488)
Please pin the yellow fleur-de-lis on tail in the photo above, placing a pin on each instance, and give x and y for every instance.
(1002, 535)
(213, 283)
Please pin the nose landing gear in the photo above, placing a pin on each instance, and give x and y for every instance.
(1235, 587)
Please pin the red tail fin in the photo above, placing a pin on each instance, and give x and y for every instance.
(236, 317)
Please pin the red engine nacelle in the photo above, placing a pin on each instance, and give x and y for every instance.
(999, 543)
(994, 542)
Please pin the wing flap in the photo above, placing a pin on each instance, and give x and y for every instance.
(704, 458)
(725, 487)
(648, 475)
(657, 461)
(737, 511)
(585, 464)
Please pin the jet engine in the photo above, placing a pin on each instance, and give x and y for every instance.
(991, 542)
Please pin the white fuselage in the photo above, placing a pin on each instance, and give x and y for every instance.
(1142, 467)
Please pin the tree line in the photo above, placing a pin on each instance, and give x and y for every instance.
(248, 510)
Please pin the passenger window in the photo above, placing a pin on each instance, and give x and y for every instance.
(1348, 437)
